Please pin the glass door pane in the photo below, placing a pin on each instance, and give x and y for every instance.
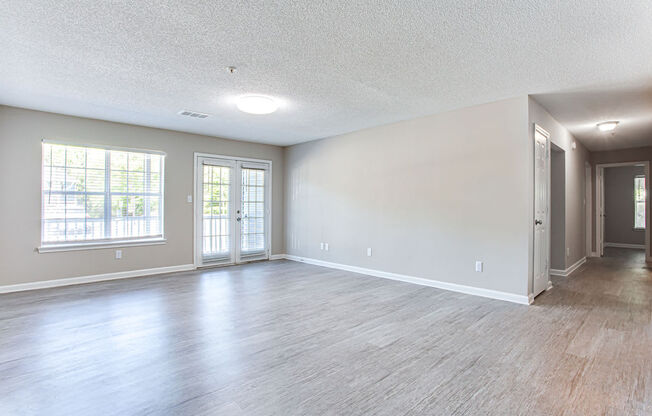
(254, 219)
(216, 212)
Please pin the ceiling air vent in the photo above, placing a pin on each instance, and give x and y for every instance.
(194, 114)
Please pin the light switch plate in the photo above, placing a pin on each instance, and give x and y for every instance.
(118, 254)
(189, 199)
(478, 266)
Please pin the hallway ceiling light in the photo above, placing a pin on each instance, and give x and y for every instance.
(257, 104)
(607, 125)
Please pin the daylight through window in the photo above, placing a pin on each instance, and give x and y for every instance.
(94, 194)
(639, 202)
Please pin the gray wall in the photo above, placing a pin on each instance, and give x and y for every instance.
(21, 132)
(619, 205)
(430, 196)
(557, 210)
(575, 161)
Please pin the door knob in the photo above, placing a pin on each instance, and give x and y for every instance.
(238, 219)
(538, 222)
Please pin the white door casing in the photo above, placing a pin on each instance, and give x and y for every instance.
(588, 184)
(252, 222)
(232, 210)
(214, 208)
(541, 279)
(600, 213)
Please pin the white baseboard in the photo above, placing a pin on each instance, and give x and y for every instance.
(469, 290)
(453, 287)
(94, 278)
(569, 270)
(625, 245)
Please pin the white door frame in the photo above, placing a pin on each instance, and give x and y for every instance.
(251, 164)
(599, 205)
(196, 248)
(545, 133)
(198, 209)
(599, 209)
(588, 208)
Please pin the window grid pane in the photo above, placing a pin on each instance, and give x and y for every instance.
(79, 204)
(216, 225)
(253, 210)
(639, 202)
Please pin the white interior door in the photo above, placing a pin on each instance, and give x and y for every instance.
(600, 229)
(541, 210)
(232, 211)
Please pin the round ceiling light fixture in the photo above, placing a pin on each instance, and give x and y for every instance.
(257, 104)
(607, 125)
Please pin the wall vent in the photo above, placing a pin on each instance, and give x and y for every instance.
(194, 114)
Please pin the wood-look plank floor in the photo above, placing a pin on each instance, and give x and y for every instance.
(285, 338)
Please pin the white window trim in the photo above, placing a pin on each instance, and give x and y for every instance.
(94, 245)
(106, 243)
(105, 147)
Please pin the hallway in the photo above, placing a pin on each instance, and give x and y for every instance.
(620, 276)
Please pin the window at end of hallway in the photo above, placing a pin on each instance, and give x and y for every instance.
(639, 202)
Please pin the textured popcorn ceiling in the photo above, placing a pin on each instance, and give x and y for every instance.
(580, 111)
(338, 66)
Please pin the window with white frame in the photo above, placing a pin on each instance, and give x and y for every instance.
(93, 194)
(639, 202)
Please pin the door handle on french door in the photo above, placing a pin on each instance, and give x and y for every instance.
(238, 219)
(538, 222)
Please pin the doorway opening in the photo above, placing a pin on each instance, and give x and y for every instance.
(622, 211)
(232, 206)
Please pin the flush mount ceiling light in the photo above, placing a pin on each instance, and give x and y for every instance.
(256, 104)
(607, 125)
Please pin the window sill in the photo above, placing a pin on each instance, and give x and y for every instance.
(101, 245)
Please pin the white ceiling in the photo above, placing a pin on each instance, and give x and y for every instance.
(337, 65)
(579, 111)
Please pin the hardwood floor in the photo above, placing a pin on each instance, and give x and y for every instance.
(285, 338)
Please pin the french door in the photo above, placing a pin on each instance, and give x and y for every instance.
(231, 210)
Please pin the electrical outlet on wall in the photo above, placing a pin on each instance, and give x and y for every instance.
(369, 251)
(118, 254)
(326, 246)
(189, 199)
(321, 246)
